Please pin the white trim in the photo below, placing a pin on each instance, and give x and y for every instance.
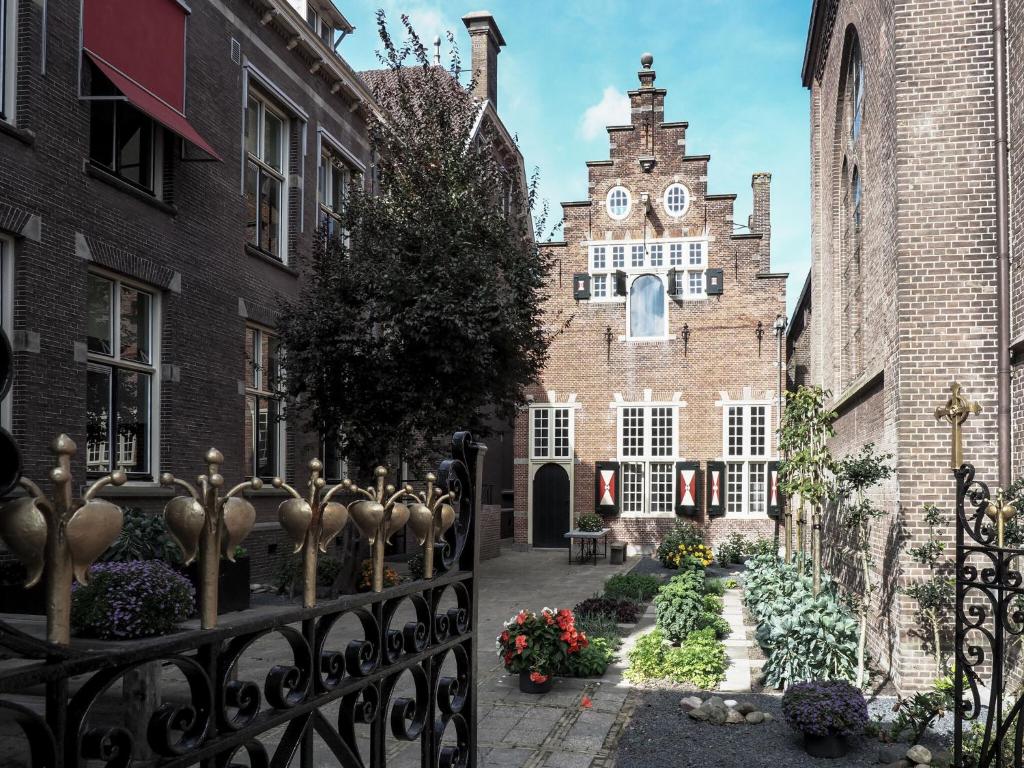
(746, 457)
(549, 457)
(608, 206)
(283, 175)
(686, 206)
(323, 133)
(268, 85)
(630, 280)
(531, 472)
(257, 390)
(7, 313)
(9, 64)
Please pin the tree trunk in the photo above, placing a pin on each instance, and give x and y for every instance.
(937, 639)
(865, 604)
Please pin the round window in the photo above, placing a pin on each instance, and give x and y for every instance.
(618, 202)
(677, 200)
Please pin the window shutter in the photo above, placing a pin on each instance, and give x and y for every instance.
(620, 283)
(774, 494)
(581, 286)
(606, 487)
(671, 278)
(688, 489)
(715, 278)
(716, 486)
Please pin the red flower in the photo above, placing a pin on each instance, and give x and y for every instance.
(504, 636)
(586, 703)
(521, 643)
(508, 657)
(521, 618)
(537, 677)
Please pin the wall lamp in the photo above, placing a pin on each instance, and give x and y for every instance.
(759, 332)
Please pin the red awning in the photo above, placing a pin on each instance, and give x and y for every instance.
(140, 46)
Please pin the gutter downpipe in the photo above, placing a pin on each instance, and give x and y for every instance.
(1002, 245)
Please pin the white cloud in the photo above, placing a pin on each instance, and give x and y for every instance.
(612, 109)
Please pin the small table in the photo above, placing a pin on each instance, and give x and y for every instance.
(587, 543)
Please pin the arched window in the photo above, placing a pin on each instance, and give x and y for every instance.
(647, 307)
(855, 85)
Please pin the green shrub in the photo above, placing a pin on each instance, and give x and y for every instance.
(143, 536)
(732, 549)
(684, 534)
(599, 625)
(701, 660)
(593, 660)
(715, 586)
(590, 522)
(680, 606)
(632, 586)
(416, 566)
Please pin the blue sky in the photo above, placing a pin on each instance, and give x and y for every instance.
(731, 67)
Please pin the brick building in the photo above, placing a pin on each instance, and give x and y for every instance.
(902, 288)
(659, 400)
(164, 167)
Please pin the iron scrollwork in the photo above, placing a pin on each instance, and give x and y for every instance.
(397, 666)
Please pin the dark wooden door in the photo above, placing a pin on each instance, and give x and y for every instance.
(550, 506)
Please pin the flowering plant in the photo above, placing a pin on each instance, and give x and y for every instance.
(540, 643)
(684, 533)
(123, 601)
(591, 523)
(825, 708)
(699, 552)
(391, 577)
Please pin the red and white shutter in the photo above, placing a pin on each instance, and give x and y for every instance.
(606, 487)
(716, 488)
(688, 488)
(774, 494)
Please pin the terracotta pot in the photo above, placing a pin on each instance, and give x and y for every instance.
(825, 746)
(526, 685)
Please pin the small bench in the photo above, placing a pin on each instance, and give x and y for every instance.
(586, 542)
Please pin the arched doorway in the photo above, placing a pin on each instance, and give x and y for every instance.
(550, 506)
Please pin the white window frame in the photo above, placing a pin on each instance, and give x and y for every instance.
(646, 459)
(326, 204)
(7, 313)
(114, 363)
(663, 279)
(608, 266)
(687, 197)
(265, 104)
(8, 59)
(257, 390)
(608, 203)
(746, 458)
(552, 411)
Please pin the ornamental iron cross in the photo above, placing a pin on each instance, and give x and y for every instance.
(956, 411)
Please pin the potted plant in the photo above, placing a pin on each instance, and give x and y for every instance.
(590, 523)
(125, 601)
(537, 646)
(826, 712)
(233, 589)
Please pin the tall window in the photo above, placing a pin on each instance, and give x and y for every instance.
(332, 189)
(647, 449)
(747, 449)
(551, 433)
(320, 26)
(266, 150)
(126, 142)
(851, 194)
(6, 296)
(121, 319)
(647, 312)
(264, 428)
(8, 58)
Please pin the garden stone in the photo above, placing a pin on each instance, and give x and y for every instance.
(768, 717)
(700, 714)
(918, 754)
(716, 701)
(690, 702)
(730, 703)
(890, 754)
(745, 708)
(718, 713)
(922, 765)
(734, 718)
(755, 717)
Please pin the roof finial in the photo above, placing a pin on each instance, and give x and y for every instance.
(437, 50)
(647, 60)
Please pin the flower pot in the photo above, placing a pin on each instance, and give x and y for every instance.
(233, 588)
(825, 746)
(526, 685)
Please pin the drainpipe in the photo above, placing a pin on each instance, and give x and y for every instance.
(1002, 244)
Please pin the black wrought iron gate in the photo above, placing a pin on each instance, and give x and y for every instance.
(989, 656)
(349, 695)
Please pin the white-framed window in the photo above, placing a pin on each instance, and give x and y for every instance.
(551, 432)
(636, 256)
(333, 178)
(695, 287)
(8, 58)
(677, 200)
(599, 287)
(675, 254)
(121, 381)
(648, 311)
(657, 255)
(618, 256)
(6, 310)
(263, 451)
(266, 173)
(747, 450)
(697, 254)
(127, 143)
(598, 257)
(647, 447)
(335, 464)
(618, 202)
(321, 27)
(679, 266)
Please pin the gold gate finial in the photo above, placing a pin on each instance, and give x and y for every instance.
(956, 411)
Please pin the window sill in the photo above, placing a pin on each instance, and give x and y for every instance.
(262, 255)
(648, 516)
(102, 174)
(648, 339)
(26, 137)
(135, 489)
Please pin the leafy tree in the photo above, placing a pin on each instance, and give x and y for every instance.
(425, 317)
(934, 594)
(803, 439)
(854, 475)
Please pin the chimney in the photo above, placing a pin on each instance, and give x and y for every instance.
(761, 219)
(486, 43)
